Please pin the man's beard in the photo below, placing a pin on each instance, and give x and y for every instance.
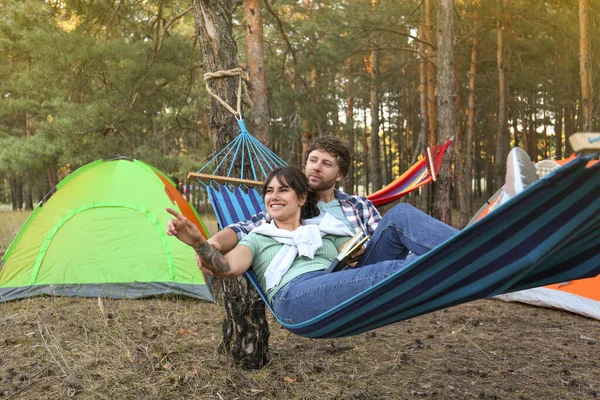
(322, 185)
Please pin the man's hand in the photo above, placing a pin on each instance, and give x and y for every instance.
(215, 245)
(184, 230)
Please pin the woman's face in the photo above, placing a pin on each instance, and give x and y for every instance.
(281, 201)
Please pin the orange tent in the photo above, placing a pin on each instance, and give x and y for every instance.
(580, 296)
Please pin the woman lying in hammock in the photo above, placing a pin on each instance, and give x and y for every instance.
(290, 255)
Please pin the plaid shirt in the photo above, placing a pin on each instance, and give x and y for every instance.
(359, 211)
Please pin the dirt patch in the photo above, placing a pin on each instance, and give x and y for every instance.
(168, 349)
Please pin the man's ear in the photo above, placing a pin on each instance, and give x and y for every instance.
(339, 177)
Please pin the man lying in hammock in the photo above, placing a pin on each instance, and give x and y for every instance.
(402, 230)
(291, 252)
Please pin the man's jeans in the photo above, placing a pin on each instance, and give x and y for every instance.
(403, 235)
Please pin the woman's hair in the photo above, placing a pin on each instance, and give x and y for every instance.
(295, 179)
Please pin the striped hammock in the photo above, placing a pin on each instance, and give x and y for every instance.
(420, 174)
(549, 233)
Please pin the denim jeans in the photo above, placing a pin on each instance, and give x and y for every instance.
(403, 235)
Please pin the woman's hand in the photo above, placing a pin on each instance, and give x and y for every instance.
(353, 260)
(184, 230)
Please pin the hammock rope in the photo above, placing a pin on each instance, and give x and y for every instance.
(242, 93)
(245, 148)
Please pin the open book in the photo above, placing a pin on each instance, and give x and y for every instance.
(351, 247)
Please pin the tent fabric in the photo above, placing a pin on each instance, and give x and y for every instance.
(579, 296)
(420, 174)
(546, 234)
(101, 232)
(570, 297)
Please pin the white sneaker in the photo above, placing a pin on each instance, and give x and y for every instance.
(520, 172)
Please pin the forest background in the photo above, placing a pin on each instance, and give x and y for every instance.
(87, 79)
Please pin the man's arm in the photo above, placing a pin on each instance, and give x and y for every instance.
(371, 217)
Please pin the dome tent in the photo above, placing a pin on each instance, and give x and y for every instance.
(101, 232)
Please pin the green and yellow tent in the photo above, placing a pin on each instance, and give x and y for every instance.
(101, 232)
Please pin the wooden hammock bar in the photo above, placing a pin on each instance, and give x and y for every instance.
(206, 178)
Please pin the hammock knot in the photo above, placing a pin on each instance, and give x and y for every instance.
(242, 94)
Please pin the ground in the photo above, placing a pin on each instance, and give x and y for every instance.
(57, 348)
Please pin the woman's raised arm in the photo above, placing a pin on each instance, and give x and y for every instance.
(236, 263)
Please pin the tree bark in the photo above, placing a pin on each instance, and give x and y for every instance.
(420, 142)
(259, 116)
(559, 132)
(245, 329)
(431, 74)
(446, 107)
(468, 171)
(349, 126)
(584, 66)
(502, 133)
(532, 142)
(376, 179)
(569, 129)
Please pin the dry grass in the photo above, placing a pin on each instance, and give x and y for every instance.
(167, 348)
(10, 223)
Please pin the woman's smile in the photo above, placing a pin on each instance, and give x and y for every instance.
(282, 202)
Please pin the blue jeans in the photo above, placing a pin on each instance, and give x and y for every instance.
(403, 235)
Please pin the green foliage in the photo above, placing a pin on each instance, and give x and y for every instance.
(88, 79)
(82, 80)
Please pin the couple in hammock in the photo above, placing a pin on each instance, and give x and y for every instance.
(307, 221)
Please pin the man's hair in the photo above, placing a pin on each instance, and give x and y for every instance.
(337, 147)
(297, 181)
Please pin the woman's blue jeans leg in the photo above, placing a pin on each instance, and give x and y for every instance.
(313, 293)
(405, 229)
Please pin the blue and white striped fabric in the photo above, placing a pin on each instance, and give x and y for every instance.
(234, 204)
(548, 233)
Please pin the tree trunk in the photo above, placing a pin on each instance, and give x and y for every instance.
(533, 144)
(349, 127)
(515, 124)
(502, 133)
(568, 129)
(16, 193)
(259, 117)
(374, 99)
(420, 142)
(442, 209)
(559, 132)
(431, 74)
(584, 65)
(28, 196)
(366, 155)
(245, 329)
(465, 212)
